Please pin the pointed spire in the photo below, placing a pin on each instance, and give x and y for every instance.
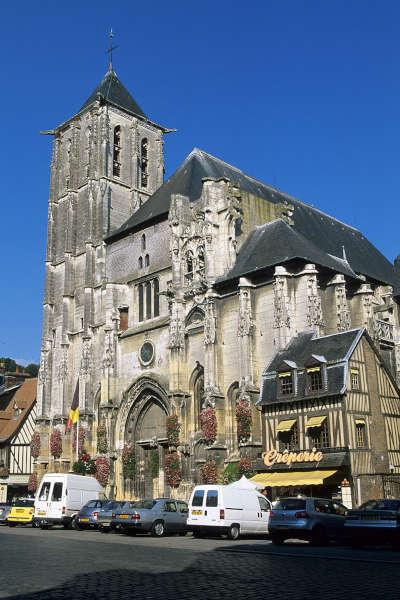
(110, 50)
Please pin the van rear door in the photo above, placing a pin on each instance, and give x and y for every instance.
(211, 509)
(43, 499)
(56, 503)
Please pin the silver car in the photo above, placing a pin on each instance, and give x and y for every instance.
(159, 516)
(317, 520)
(5, 509)
(106, 516)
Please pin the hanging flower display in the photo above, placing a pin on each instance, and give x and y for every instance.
(102, 441)
(173, 430)
(128, 461)
(173, 473)
(209, 473)
(208, 421)
(102, 473)
(55, 443)
(244, 420)
(32, 482)
(85, 465)
(81, 439)
(245, 467)
(35, 444)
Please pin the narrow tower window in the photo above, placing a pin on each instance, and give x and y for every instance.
(143, 241)
(123, 318)
(140, 262)
(117, 152)
(140, 293)
(156, 298)
(143, 163)
(146, 260)
(148, 299)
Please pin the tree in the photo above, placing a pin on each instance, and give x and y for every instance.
(9, 365)
(32, 369)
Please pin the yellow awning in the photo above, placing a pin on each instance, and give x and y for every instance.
(291, 478)
(285, 374)
(286, 425)
(313, 369)
(315, 422)
(360, 422)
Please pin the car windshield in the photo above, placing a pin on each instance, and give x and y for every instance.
(381, 505)
(290, 504)
(21, 503)
(147, 504)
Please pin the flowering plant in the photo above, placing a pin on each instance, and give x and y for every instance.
(173, 472)
(32, 482)
(102, 474)
(102, 441)
(4, 472)
(244, 420)
(173, 430)
(128, 461)
(81, 439)
(55, 443)
(245, 467)
(85, 465)
(209, 473)
(35, 444)
(208, 421)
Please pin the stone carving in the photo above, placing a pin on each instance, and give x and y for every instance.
(86, 359)
(210, 322)
(281, 303)
(63, 364)
(314, 307)
(343, 313)
(246, 323)
(43, 373)
(109, 351)
(176, 328)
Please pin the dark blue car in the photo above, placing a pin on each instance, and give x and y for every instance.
(87, 516)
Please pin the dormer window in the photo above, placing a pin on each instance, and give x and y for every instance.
(314, 379)
(286, 384)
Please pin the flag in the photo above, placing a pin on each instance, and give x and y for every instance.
(73, 416)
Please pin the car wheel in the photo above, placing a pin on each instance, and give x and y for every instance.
(277, 540)
(103, 529)
(158, 529)
(319, 536)
(182, 533)
(74, 524)
(234, 532)
(11, 524)
(43, 525)
(197, 533)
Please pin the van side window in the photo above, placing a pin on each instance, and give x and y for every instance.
(198, 498)
(44, 492)
(57, 491)
(212, 498)
(264, 504)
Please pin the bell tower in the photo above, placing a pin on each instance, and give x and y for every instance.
(107, 161)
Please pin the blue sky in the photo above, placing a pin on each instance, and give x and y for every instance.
(304, 95)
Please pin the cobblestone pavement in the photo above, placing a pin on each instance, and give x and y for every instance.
(41, 565)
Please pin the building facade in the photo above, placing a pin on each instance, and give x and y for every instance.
(167, 300)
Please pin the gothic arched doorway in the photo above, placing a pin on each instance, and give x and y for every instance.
(145, 428)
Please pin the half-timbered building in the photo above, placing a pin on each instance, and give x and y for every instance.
(331, 418)
(17, 423)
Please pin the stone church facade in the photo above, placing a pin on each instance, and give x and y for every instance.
(169, 299)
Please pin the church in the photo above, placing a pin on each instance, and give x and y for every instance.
(166, 303)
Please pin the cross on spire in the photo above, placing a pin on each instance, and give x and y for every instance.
(110, 49)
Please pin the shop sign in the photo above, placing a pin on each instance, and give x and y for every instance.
(286, 457)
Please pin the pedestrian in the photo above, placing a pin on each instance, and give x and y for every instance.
(266, 492)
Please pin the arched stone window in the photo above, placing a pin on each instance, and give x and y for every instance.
(198, 394)
(140, 262)
(117, 151)
(146, 260)
(140, 294)
(148, 299)
(156, 298)
(143, 242)
(143, 163)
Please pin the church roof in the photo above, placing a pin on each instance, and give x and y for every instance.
(112, 91)
(313, 230)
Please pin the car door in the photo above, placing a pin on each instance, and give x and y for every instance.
(171, 516)
(183, 510)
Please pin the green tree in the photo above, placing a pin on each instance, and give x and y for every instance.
(32, 369)
(8, 364)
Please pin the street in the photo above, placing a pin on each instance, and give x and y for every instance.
(38, 565)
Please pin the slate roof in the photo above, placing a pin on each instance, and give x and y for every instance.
(112, 91)
(316, 230)
(22, 397)
(333, 350)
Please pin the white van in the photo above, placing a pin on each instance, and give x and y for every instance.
(60, 497)
(227, 509)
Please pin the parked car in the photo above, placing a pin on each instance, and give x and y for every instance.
(159, 516)
(5, 508)
(61, 496)
(107, 514)
(21, 512)
(373, 522)
(225, 509)
(317, 520)
(87, 517)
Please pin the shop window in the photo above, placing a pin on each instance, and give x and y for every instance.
(286, 387)
(289, 440)
(319, 436)
(314, 379)
(123, 318)
(355, 379)
(361, 441)
(117, 151)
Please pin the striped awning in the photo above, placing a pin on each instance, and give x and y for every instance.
(285, 425)
(315, 421)
(292, 478)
